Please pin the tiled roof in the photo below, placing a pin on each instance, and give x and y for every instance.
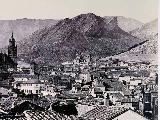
(6, 105)
(115, 85)
(48, 115)
(103, 113)
(82, 109)
(118, 95)
(12, 117)
(3, 91)
(106, 113)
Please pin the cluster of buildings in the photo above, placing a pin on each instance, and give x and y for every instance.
(99, 89)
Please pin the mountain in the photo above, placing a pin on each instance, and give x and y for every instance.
(21, 27)
(126, 24)
(148, 31)
(86, 33)
(150, 47)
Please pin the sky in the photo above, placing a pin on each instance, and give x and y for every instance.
(142, 10)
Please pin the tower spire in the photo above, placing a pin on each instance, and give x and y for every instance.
(12, 50)
(12, 35)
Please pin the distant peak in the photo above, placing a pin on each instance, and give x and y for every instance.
(87, 15)
(90, 14)
(114, 21)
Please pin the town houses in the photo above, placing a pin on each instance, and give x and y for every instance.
(97, 88)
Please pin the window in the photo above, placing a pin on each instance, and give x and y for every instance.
(30, 91)
(36, 91)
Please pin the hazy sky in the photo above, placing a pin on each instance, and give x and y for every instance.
(142, 10)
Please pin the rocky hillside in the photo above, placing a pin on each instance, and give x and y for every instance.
(148, 32)
(21, 28)
(126, 24)
(86, 33)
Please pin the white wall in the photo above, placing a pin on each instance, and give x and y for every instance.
(21, 79)
(33, 87)
(86, 77)
(135, 82)
(126, 78)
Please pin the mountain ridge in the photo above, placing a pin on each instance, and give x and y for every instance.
(21, 28)
(60, 42)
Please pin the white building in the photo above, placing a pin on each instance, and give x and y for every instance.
(85, 76)
(135, 82)
(49, 90)
(32, 86)
(23, 77)
(23, 67)
(125, 78)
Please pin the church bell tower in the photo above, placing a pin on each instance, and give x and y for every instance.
(12, 49)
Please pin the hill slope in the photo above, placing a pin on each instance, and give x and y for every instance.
(126, 24)
(148, 32)
(21, 27)
(86, 33)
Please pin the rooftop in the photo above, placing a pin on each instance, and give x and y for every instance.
(48, 115)
(106, 113)
(31, 81)
(23, 76)
(103, 112)
(118, 95)
(23, 64)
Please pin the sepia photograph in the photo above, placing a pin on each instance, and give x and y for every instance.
(78, 59)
